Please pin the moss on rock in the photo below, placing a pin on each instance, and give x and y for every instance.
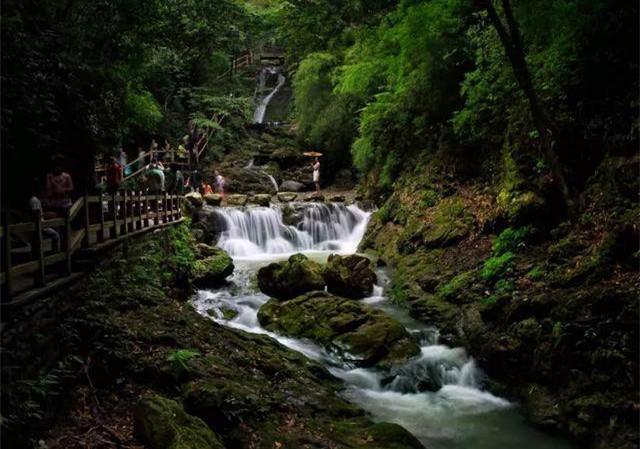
(349, 276)
(360, 333)
(294, 277)
(163, 424)
(213, 269)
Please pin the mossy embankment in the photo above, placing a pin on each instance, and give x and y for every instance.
(547, 304)
(76, 366)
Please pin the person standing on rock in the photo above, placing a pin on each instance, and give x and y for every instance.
(316, 174)
(219, 183)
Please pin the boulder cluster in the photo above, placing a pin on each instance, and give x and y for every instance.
(334, 318)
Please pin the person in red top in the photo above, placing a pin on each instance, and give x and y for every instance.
(206, 188)
(58, 189)
(114, 175)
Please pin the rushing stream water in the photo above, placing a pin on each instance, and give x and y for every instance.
(458, 413)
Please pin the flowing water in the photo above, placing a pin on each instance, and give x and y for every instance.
(263, 101)
(438, 395)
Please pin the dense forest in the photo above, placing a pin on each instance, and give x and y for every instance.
(478, 181)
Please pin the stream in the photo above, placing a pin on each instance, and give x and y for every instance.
(438, 395)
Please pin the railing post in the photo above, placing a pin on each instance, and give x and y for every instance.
(141, 222)
(101, 204)
(39, 250)
(156, 210)
(146, 210)
(67, 228)
(164, 206)
(125, 212)
(7, 259)
(116, 226)
(87, 224)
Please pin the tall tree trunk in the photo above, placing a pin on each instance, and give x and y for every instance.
(514, 48)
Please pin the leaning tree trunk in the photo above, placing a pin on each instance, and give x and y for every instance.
(514, 49)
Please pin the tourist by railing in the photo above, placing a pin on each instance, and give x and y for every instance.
(31, 260)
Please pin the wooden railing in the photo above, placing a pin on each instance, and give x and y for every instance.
(241, 61)
(40, 253)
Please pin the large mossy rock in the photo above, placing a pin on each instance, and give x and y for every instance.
(213, 199)
(236, 200)
(361, 334)
(349, 276)
(163, 424)
(211, 271)
(286, 280)
(195, 199)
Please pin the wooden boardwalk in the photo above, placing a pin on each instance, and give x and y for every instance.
(39, 256)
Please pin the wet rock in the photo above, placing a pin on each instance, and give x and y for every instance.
(359, 333)
(236, 200)
(428, 283)
(315, 198)
(292, 186)
(286, 280)
(337, 198)
(213, 199)
(292, 216)
(195, 199)
(287, 197)
(163, 424)
(212, 270)
(542, 409)
(203, 250)
(261, 199)
(208, 221)
(349, 276)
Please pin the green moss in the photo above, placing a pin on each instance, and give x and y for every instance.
(536, 273)
(502, 289)
(510, 240)
(496, 266)
(365, 335)
(163, 424)
(429, 198)
(452, 288)
(213, 269)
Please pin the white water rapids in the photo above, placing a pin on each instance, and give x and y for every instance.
(438, 395)
(263, 102)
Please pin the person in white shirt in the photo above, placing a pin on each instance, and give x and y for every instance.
(316, 174)
(35, 205)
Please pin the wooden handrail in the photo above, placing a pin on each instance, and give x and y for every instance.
(129, 213)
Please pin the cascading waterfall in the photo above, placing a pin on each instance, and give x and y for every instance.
(436, 395)
(262, 231)
(261, 109)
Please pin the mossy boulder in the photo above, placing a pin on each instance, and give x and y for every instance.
(520, 207)
(261, 199)
(236, 200)
(212, 270)
(195, 199)
(286, 197)
(163, 424)
(359, 333)
(349, 276)
(294, 277)
(213, 199)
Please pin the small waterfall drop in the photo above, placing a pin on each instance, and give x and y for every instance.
(259, 231)
(261, 109)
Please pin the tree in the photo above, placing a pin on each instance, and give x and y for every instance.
(511, 38)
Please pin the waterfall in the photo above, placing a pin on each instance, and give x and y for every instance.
(260, 231)
(258, 115)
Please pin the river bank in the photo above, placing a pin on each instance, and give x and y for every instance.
(75, 368)
(548, 306)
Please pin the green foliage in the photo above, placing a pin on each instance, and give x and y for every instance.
(510, 240)
(179, 360)
(501, 289)
(496, 266)
(142, 110)
(451, 289)
(536, 273)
